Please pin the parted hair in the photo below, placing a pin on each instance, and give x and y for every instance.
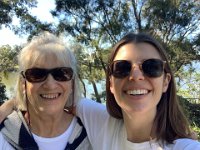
(170, 123)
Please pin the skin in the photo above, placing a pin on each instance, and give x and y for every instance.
(140, 107)
(46, 102)
(6, 109)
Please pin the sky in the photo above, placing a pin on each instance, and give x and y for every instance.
(42, 12)
(8, 37)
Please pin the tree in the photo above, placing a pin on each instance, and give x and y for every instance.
(174, 22)
(193, 113)
(20, 9)
(189, 85)
(8, 63)
(98, 24)
(8, 58)
(10, 10)
(88, 66)
(3, 96)
(93, 24)
(17, 8)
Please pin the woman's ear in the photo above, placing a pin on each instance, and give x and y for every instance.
(111, 85)
(166, 82)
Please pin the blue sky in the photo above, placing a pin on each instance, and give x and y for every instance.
(42, 12)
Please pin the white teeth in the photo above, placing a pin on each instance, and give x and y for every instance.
(137, 92)
(49, 96)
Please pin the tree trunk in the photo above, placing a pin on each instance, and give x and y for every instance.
(83, 83)
(96, 92)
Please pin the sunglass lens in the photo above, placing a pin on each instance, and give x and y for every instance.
(62, 74)
(153, 67)
(35, 75)
(121, 68)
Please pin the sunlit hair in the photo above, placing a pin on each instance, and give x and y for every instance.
(35, 52)
(170, 122)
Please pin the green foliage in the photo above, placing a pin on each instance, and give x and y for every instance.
(87, 20)
(89, 67)
(193, 112)
(197, 131)
(97, 24)
(18, 8)
(3, 96)
(189, 83)
(30, 24)
(8, 58)
(174, 22)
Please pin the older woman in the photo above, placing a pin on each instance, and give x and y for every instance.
(47, 89)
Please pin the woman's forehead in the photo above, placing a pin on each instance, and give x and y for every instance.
(137, 51)
(48, 61)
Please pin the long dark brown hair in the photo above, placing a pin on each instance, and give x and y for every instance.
(170, 122)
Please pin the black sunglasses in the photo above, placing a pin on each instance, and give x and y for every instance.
(150, 68)
(35, 75)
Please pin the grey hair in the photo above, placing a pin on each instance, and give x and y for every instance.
(34, 52)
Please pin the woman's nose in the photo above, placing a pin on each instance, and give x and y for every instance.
(136, 73)
(50, 82)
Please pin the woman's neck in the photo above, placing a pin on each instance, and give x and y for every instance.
(49, 126)
(139, 127)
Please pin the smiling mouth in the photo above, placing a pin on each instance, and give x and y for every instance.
(50, 96)
(137, 92)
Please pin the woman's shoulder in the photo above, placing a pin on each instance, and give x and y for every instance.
(95, 114)
(90, 105)
(186, 144)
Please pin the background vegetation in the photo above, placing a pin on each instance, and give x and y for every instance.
(96, 25)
